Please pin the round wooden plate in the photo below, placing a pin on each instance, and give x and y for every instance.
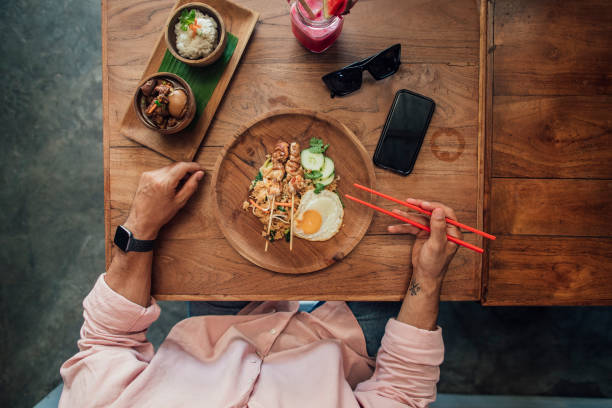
(239, 163)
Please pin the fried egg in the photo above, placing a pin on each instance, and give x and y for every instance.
(319, 216)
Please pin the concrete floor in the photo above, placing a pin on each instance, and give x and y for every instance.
(51, 240)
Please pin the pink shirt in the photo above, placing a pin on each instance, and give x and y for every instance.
(270, 355)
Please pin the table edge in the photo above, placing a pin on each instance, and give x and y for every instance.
(106, 134)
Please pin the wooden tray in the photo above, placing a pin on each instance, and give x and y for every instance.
(239, 163)
(184, 145)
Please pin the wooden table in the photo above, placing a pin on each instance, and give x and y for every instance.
(549, 153)
(444, 56)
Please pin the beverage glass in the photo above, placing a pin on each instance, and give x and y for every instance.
(316, 34)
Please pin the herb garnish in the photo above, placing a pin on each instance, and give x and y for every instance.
(281, 208)
(313, 174)
(258, 177)
(271, 236)
(317, 145)
(288, 235)
(186, 19)
(318, 188)
(158, 103)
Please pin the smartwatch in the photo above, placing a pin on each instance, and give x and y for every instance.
(125, 241)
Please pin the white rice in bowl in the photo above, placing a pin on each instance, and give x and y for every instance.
(192, 46)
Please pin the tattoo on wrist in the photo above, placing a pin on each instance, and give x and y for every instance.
(414, 288)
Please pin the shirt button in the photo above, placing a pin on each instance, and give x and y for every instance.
(273, 331)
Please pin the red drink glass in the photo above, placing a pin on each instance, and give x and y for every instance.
(316, 34)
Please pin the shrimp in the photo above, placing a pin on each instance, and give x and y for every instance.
(293, 166)
(274, 188)
(296, 184)
(275, 174)
(294, 169)
(281, 152)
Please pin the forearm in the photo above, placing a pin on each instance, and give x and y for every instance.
(421, 303)
(113, 340)
(130, 275)
(407, 366)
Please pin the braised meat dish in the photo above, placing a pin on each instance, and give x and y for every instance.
(163, 102)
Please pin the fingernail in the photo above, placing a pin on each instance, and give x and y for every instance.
(199, 175)
(425, 203)
(438, 214)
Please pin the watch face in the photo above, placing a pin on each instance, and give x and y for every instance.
(122, 237)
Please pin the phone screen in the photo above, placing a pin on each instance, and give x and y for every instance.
(404, 132)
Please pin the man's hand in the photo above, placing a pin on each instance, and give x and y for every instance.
(431, 255)
(159, 196)
(432, 252)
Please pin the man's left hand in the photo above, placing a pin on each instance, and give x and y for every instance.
(159, 197)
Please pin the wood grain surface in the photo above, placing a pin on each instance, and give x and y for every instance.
(550, 185)
(553, 136)
(239, 163)
(299, 85)
(553, 47)
(439, 59)
(550, 271)
(183, 145)
(551, 207)
(367, 273)
(487, 136)
(127, 162)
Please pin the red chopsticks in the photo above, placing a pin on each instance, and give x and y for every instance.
(416, 224)
(423, 211)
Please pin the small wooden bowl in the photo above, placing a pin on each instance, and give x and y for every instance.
(221, 35)
(191, 103)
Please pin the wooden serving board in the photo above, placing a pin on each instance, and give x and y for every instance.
(239, 163)
(184, 145)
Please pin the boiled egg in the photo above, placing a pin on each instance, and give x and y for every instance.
(319, 216)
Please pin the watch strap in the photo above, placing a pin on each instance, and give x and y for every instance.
(124, 239)
(139, 245)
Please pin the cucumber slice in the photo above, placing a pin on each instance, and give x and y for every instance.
(312, 161)
(327, 180)
(328, 168)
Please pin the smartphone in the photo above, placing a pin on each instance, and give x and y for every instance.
(404, 131)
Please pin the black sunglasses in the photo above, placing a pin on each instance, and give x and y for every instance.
(348, 79)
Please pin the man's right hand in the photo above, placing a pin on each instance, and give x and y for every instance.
(158, 197)
(432, 252)
(431, 255)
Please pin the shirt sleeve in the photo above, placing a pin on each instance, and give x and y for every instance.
(407, 368)
(113, 348)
